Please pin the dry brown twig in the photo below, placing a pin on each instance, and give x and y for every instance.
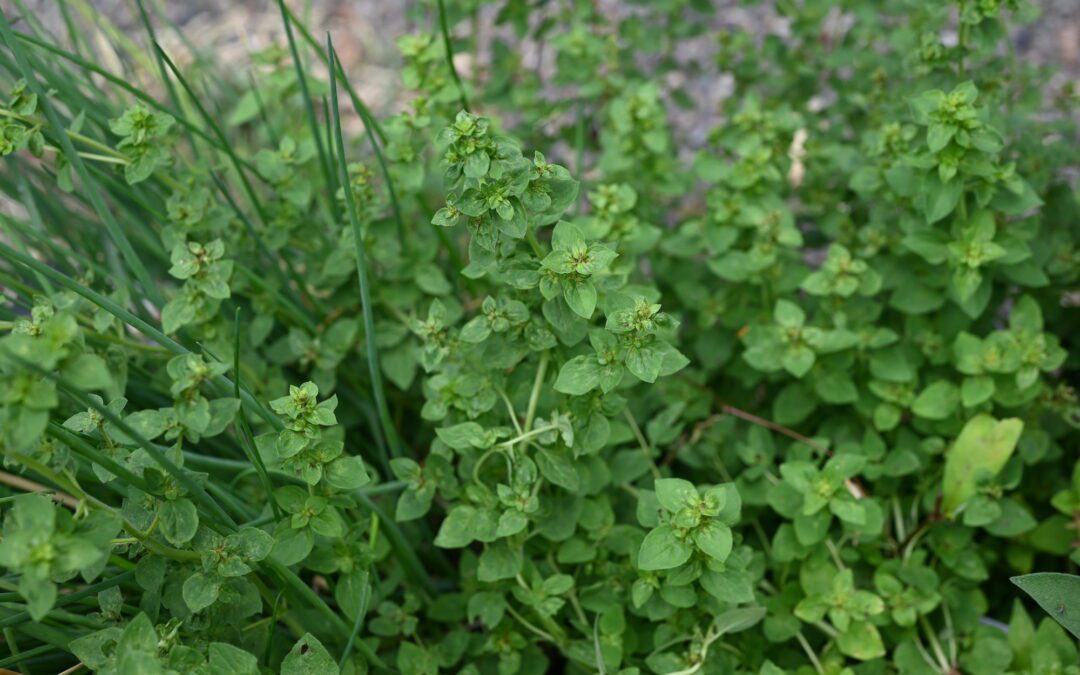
(854, 487)
(27, 485)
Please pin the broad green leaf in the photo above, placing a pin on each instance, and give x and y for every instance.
(982, 449)
(558, 468)
(937, 401)
(225, 659)
(1058, 594)
(500, 560)
(415, 660)
(737, 619)
(346, 473)
(714, 538)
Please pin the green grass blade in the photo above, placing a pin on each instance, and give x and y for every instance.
(369, 129)
(357, 624)
(142, 96)
(445, 28)
(332, 184)
(115, 232)
(208, 119)
(133, 321)
(19, 657)
(275, 137)
(35, 218)
(356, 101)
(169, 87)
(393, 441)
(313, 123)
(247, 439)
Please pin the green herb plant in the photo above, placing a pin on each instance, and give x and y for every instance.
(526, 377)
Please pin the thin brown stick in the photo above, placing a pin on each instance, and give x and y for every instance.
(855, 488)
(27, 485)
(774, 426)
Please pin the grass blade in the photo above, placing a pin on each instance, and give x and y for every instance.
(248, 189)
(450, 56)
(393, 441)
(362, 109)
(132, 320)
(247, 438)
(130, 89)
(369, 129)
(316, 133)
(170, 88)
(115, 232)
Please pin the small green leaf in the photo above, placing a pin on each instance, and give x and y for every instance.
(309, 657)
(714, 539)
(675, 493)
(558, 468)
(178, 520)
(346, 473)
(578, 376)
(937, 401)
(861, 641)
(463, 436)
(663, 550)
(200, 591)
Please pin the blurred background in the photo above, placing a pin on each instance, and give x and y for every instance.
(365, 34)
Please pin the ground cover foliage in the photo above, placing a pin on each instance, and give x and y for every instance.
(516, 382)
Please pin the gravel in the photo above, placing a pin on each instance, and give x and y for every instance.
(365, 32)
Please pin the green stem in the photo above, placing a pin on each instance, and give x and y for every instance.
(534, 243)
(443, 25)
(18, 657)
(810, 653)
(388, 429)
(645, 447)
(68, 598)
(526, 436)
(534, 395)
(116, 233)
(931, 635)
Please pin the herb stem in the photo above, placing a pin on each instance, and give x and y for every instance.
(372, 349)
(525, 622)
(810, 653)
(445, 28)
(931, 636)
(534, 395)
(645, 447)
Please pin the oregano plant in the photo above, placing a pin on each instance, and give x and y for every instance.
(619, 359)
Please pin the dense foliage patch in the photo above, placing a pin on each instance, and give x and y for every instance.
(519, 380)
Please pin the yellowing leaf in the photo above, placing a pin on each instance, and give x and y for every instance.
(984, 445)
